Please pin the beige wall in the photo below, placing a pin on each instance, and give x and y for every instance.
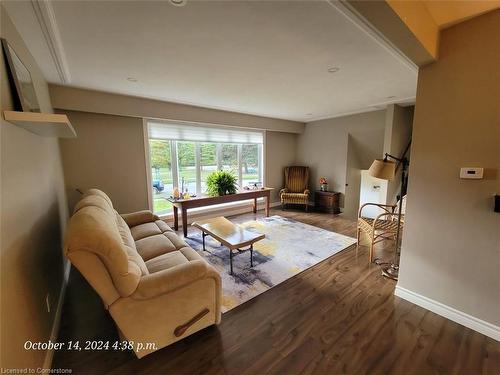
(337, 148)
(280, 152)
(107, 154)
(33, 217)
(451, 246)
(71, 98)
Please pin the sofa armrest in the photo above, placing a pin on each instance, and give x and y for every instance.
(170, 279)
(284, 190)
(139, 217)
(307, 192)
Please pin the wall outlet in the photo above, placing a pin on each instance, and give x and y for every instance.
(47, 302)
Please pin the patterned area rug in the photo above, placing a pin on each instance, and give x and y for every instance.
(290, 247)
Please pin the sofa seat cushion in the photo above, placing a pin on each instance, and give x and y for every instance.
(166, 261)
(145, 230)
(172, 259)
(153, 246)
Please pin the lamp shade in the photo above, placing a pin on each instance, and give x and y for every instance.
(384, 169)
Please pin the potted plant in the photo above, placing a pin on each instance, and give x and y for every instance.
(221, 183)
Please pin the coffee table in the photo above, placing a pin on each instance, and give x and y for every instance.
(230, 235)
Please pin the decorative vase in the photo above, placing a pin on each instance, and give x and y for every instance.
(176, 193)
(323, 187)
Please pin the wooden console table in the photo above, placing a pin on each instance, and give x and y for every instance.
(185, 204)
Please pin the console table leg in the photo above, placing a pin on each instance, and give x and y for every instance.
(176, 218)
(184, 222)
(268, 198)
(255, 205)
(231, 261)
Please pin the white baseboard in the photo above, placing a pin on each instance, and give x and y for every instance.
(49, 355)
(450, 313)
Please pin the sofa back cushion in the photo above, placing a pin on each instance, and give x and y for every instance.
(129, 244)
(96, 228)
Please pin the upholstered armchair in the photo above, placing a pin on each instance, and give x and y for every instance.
(296, 187)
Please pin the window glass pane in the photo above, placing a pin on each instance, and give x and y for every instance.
(208, 162)
(250, 164)
(229, 158)
(161, 174)
(186, 156)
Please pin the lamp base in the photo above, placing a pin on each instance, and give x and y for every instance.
(391, 271)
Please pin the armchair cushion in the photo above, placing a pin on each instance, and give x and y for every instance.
(295, 198)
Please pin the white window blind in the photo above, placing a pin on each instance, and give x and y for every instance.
(182, 131)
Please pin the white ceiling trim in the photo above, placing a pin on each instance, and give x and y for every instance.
(342, 114)
(357, 19)
(371, 108)
(402, 101)
(48, 24)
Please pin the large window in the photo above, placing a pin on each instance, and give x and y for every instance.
(161, 173)
(183, 155)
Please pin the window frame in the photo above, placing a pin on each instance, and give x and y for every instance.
(175, 166)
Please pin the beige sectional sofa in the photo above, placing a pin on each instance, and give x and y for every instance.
(156, 288)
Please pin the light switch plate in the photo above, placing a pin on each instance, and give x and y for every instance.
(471, 173)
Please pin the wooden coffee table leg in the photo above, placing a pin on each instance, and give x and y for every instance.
(203, 234)
(251, 255)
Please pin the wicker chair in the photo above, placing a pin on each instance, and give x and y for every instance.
(383, 227)
(296, 187)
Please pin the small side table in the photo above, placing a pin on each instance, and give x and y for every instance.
(327, 201)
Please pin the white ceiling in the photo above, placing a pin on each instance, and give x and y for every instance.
(258, 57)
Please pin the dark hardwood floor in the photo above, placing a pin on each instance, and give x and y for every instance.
(340, 316)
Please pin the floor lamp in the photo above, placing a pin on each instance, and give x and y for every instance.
(385, 169)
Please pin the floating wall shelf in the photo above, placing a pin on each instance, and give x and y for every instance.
(43, 124)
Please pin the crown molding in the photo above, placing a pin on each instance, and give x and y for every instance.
(382, 106)
(47, 20)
